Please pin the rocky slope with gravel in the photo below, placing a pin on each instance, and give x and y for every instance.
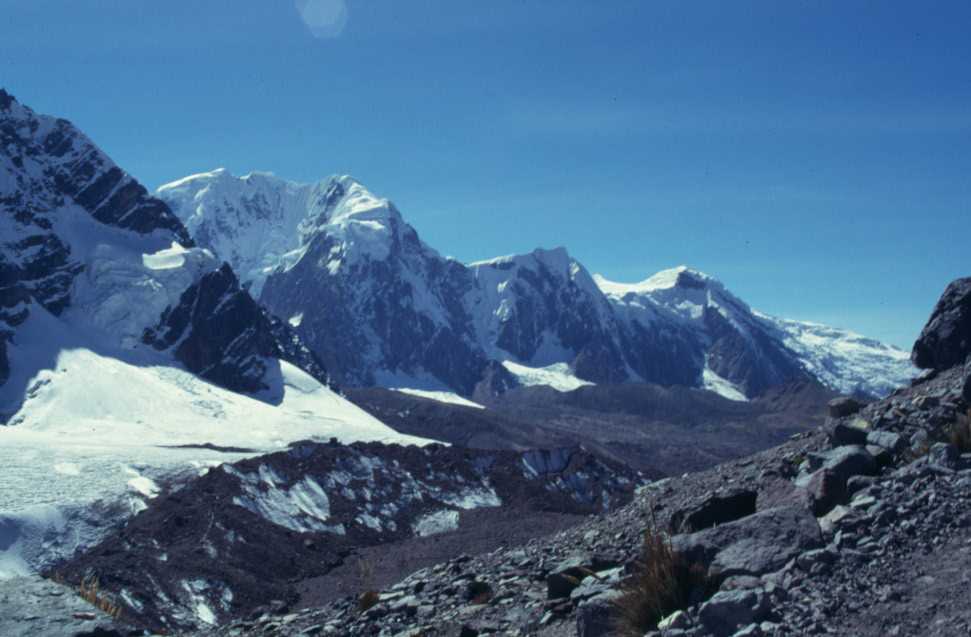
(861, 527)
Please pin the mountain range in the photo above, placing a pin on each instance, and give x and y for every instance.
(380, 307)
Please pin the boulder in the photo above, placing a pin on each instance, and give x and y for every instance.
(825, 491)
(842, 434)
(755, 545)
(596, 616)
(946, 339)
(844, 462)
(944, 455)
(714, 510)
(727, 611)
(844, 406)
(566, 576)
(886, 439)
(678, 620)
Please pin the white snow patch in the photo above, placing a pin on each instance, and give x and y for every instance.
(438, 522)
(304, 507)
(721, 386)
(173, 257)
(67, 468)
(440, 396)
(296, 319)
(144, 486)
(558, 376)
(473, 498)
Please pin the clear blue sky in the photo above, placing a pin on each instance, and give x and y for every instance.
(816, 156)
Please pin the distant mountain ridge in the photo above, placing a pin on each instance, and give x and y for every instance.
(381, 307)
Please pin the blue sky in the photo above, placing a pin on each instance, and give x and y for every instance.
(815, 156)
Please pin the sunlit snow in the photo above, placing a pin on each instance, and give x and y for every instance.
(725, 388)
(440, 396)
(559, 376)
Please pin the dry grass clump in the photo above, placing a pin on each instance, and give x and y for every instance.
(90, 591)
(368, 600)
(664, 584)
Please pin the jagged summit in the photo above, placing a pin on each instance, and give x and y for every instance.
(260, 222)
(681, 277)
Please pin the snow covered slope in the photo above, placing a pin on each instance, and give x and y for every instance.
(380, 307)
(745, 351)
(120, 340)
(845, 360)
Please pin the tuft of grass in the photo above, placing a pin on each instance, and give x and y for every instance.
(960, 435)
(666, 582)
(478, 592)
(367, 600)
(365, 573)
(90, 591)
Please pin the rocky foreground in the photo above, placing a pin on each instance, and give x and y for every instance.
(862, 527)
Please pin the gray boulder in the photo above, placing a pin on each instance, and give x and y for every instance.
(944, 455)
(844, 462)
(946, 339)
(886, 439)
(726, 611)
(566, 576)
(596, 617)
(843, 434)
(754, 545)
(844, 406)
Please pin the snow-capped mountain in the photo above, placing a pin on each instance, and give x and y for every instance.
(380, 307)
(121, 339)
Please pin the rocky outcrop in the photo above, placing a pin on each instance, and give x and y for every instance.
(243, 533)
(946, 339)
(753, 546)
(220, 333)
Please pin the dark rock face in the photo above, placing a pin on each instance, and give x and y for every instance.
(405, 339)
(718, 509)
(842, 433)
(220, 333)
(946, 339)
(76, 169)
(844, 406)
(753, 360)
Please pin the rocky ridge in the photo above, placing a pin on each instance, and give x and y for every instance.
(244, 533)
(85, 246)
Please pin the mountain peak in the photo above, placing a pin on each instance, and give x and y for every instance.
(681, 277)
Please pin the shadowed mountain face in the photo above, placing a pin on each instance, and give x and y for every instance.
(380, 307)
